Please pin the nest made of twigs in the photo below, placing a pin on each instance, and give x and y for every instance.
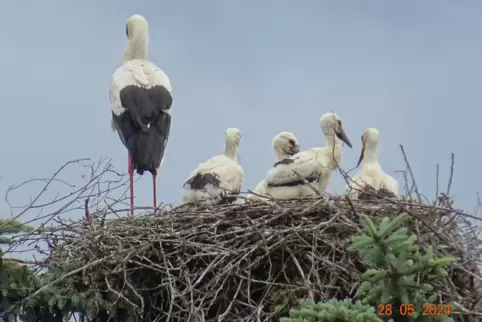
(247, 262)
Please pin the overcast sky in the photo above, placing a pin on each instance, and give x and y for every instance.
(409, 68)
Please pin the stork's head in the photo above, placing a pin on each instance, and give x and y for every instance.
(231, 146)
(370, 138)
(331, 125)
(135, 25)
(285, 144)
(233, 136)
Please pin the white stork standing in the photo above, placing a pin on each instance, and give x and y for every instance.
(315, 166)
(285, 145)
(371, 175)
(141, 99)
(217, 177)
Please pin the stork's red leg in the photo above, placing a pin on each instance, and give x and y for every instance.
(154, 189)
(131, 183)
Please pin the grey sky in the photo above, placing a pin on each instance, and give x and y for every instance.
(412, 69)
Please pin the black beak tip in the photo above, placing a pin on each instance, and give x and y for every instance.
(342, 136)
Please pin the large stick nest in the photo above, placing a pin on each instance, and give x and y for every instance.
(247, 262)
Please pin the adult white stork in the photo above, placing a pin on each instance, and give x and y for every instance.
(315, 166)
(371, 175)
(285, 145)
(141, 99)
(218, 177)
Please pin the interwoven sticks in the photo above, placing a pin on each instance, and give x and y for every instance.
(247, 262)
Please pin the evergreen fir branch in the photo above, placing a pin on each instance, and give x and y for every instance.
(397, 267)
(332, 310)
(13, 226)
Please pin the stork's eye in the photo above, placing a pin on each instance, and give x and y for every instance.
(292, 142)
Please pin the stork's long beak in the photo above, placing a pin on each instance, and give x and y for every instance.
(295, 149)
(342, 136)
(361, 154)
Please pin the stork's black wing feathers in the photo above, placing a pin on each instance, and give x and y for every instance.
(283, 161)
(145, 124)
(199, 181)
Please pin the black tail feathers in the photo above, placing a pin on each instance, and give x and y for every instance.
(146, 149)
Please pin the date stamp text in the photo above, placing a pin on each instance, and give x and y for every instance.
(387, 310)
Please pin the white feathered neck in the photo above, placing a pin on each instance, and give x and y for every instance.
(370, 149)
(370, 155)
(231, 149)
(231, 143)
(137, 41)
(280, 153)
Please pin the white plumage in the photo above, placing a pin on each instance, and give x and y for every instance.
(371, 174)
(141, 100)
(285, 145)
(217, 177)
(137, 72)
(315, 165)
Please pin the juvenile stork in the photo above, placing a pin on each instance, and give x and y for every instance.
(371, 176)
(141, 99)
(218, 177)
(285, 145)
(292, 177)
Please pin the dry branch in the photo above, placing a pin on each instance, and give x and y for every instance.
(98, 181)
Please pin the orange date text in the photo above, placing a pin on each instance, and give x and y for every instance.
(387, 310)
(435, 309)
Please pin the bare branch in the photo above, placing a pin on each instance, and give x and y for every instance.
(452, 163)
(409, 168)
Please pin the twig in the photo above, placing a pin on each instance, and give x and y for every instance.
(86, 208)
(452, 162)
(437, 173)
(409, 168)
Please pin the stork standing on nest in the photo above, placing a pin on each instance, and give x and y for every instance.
(371, 177)
(295, 177)
(141, 99)
(285, 145)
(218, 177)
